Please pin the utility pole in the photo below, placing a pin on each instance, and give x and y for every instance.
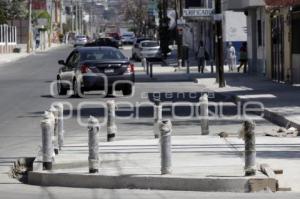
(29, 41)
(179, 15)
(61, 14)
(219, 44)
(91, 16)
(51, 25)
(72, 16)
(76, 17)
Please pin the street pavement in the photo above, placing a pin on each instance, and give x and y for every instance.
(24, 88)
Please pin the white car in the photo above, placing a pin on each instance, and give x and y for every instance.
(80, 40)
(148, 49)
(128, 38)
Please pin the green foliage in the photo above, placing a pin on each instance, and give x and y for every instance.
(17, 9)
(41, 14)
(135, 11)
(3, 12)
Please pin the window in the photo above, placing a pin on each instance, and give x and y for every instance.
(103, 54)
(259, 33)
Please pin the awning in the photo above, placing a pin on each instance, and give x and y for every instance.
(280, 3)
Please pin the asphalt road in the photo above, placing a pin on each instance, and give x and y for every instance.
(25, 94)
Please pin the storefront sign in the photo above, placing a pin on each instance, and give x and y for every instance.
(198, 12)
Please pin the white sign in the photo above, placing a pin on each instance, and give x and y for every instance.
(200, 12)
(42, 22)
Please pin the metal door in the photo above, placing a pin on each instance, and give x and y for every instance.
(277, 48)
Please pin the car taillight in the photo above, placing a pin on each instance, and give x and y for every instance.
(130, 68)
(85, 69)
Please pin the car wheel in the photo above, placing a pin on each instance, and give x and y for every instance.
(127, 90)
(77, 91)
(60, 89)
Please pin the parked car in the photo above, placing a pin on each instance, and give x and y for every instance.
(80, 40)
(135, 47)
(105, 41)
(128, 38)
(84, 69)
(149, 50)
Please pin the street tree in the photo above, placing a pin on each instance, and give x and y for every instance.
(3, 12)
(17, 9)
(136, 12)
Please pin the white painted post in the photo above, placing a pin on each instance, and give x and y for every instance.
(157, 118)
(47, 147)
(144, 63)
(204, 114)
(250, 151)
(54, 111)
(179, 64)
(16, 35)
(165, 128)
(6, 38)
(60, 124)
(111, 121)
(93, 130)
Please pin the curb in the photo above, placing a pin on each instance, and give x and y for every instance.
(270, 115)
(209, 184)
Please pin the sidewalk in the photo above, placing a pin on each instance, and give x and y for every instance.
(200, 163)
(281, 101)
(11, 57)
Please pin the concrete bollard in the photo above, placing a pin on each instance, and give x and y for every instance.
(54, 112)
(147, 67)
(187, 64)
(165, 128)
(94, 128)
(204, 115)
(47, 146)
(111, 121)
(157, 118)
(60, 124)
(179, 64)
(250, 151)
(144, 63)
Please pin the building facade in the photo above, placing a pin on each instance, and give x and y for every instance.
(273, 27)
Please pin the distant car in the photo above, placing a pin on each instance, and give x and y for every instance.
(80, 40)
(84, 69)
(128, 38)
(105, 41)
(135, 48)
(117, 37)
(149, 50)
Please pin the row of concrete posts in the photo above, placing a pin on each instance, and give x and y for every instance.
(53, 136)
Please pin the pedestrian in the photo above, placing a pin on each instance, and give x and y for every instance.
(37, 40)
(201, 57)
(231, 56)
(243, 57)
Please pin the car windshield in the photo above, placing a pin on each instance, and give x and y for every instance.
(80, 37)
(102, 54)
(150, 44)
